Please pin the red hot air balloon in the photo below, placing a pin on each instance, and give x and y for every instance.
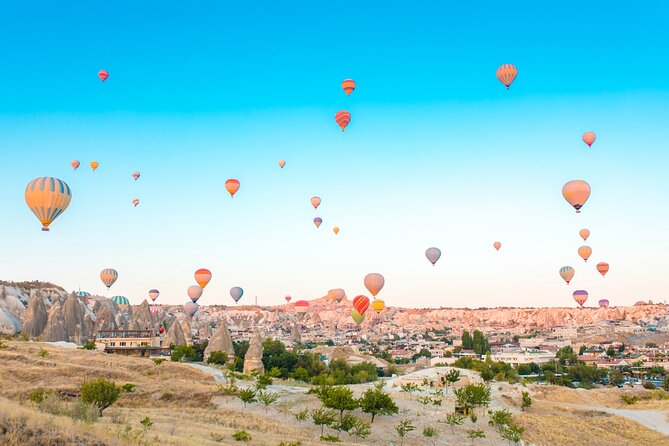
(135, 175)
(589, 138)
(506, 74)
(301, 307)
(348, 85)
(361, 303)
(232, 186)
(580, 296)
(576, 192)
(603, 268)
(103, 75)
(288, 299)
(342, 118)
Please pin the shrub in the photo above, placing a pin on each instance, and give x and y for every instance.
(2, 344)
(220, 358)
(649, 385)
(330, 438)
(90, 345)
(128, 387)
(302, 415)
(241, 435)
(52, 404)
(158, 361)
(404, 428)
(247, 396)
(267, 398)
(86, 412)
(186, 353)
(629, 399)
(42, 353)
(263, 381)
(527, 401)
(409, 387)
(431, 433)
(146, 422)
(38, 395)
(218, 438)
(101, 392)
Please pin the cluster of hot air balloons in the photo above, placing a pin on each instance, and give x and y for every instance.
(343, 117)
(374, 283)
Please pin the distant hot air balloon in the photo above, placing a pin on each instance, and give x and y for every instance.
(94, 165)
(580, 296)
(433, 254)
(190, 308)
(603, 268)
(585, 252)
(154, 309)
(82, 293)
(108, 277)
(47, 198)
(232, 186)
(288, 299)
(506, 74)
(236, 293)
(282, 163)
(342, 118)
(194, 292)
(378, 305)
(335, 230)
(357, 317)
(315, 202)
(153, 294)
(361, 303)
(589, 138)
(567, 273)
(135, 175)
(576, 192)
(103, 75)
(584, 233)
(497, 245)
(338, 294)
(301, 307)
(121, 301)
(135, 202)
(604, 303)
(202, 277)
(75, 164)
(318, 221)
(374, 283)
(348, 85)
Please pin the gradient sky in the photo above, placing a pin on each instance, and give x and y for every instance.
(438, 153)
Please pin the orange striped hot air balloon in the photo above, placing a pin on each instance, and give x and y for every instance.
(342, 118)
(348, 85)
(506, 74)
(103, 75)
(108, 276)
(603, 268)
(301, 307)
(94, 165)
(585, 252)
(589, 138)
(202, 277)
(580, 296)
(361, 303)
(576, 192)
(47, 198)
(75, 164)
(584, 233)
(232, 186)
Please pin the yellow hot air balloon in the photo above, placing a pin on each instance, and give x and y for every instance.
(47, 198)
(94, 165)
(378, 305)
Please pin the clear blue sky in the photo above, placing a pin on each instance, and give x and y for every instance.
(438, 153)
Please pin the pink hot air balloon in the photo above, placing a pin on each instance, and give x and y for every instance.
(103, 75)
(584, 233)
(374, 283)
(194, 292)
(135, 175)
(315, 202)
(282, 163)
(576, 192)
(580, 296)
(288, 299)
(589, 138)
(497, 245)
(135, 202)
(75, 164)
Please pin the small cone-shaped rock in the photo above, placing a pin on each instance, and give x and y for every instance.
(253, 357)
(175, 336)
(73, 313)
(105, 319)
(56, 328)
(220, 342)
(36, 316)
(295, 334)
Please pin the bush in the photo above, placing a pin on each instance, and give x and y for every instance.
(146, 422)
(86, 412)
(186, 353)
(302, 415)
(101, 392)
(127, 387)
(42, 353)
(241, 435)
(158, 361)
(330, 438)
(527, 401)
(247, 396)
(649, 385)
(629, 399)
(52, 404)
(38, 395)
(90, 345)
(264, 381)
(220, 358)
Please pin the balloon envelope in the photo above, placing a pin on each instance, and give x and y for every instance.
(282, 163)
(75, 164)
(348, 85)
(287, 298)
(194, 292)
(301, 306)
(47, 198)
(135, 175)
(103, 75)
(153, 294)
(604, 303)
(108, 276)
(584, 233)
(202, 277)
(232, 186)
(315, 202)
(374, 283)
(433, 254)
(357, 317)
(335, 230)
(318, 221)
(190, 308)
(361, 303)
(576, 192)
(338, 294)
(94, 165)
(585, 252)
(603, 268)
(121, 301)
(580, 296)
(589, 138)
(135, 202)
(506, 74)
(567, 273)
(343, 118)
(378, 305)
(236, 293)
(497, 245)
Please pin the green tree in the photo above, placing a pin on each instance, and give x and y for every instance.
(453, 376)
(361, 429)
(527, 401)
(423, 352)
(472, 396)
(610, 352)
(582, 350)
(480, 343)
(431, 433)
(267, 398)
(300, 374)
(346, 423)
(566, 356)
(404, 428)
(500, 418)
(247, 396)
(454, 419)
(512, 432)
(467, 341)
(220, 358)
(263, 381)
(100, 392)
(340, 399)
(323, 417)
(475, 433)
(377, 402)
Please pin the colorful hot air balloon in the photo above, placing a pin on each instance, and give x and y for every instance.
(576, 192)
(190, 308)
(236, 293)
(288, 299)
(232, 186)
(497, 245)
(94, 165)
(348, 85)
(135, 175)
(589, 138)
(584, 233)
(315, 202)
(378, 305)
(506, 74)
(580, 296)
(194, 292)
(433, 254)
(202, 277)
(135, 202)
(121, 301)
(342, 118)
(153, 294)
(155, 309)
(301, 307)
(335, 230)
(282, 163)
(82, 293)
(603, 268)
(338, 294)
(103, 75)
(374, 283)
(567, 273)
(361, 303)
(75, 164)
(108, 277)
(585, 252)
(604, 303)
(357, 317)
(47, 198)
(318, 221)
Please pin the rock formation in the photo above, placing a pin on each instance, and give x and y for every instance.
(295, 334)
(220, 342)
(56, 329)
(73, 315)
(36, 316)
(142, 319)
(105, 319)
(175, 336)
(253, 357)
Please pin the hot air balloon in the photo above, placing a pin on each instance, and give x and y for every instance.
(497, 245)
(108, 276)
(153, 294)
(589, 138)
(604, 303)
(318, 221)
(47, 198)
(603, 268)
(103, 75)
(378, 305)
(335, 230)
(194, 292)
(121, 301)
(357, 317)
(584, 233)
(576, 192)
(154, 309)
(135, 175)
(348, 85)
(585, 252)
(433, 254)
(361, 303)
(342, 118)
(580, 296)
(506, 74)
(282, 163)
(190, 308)
(232, 186)
(337, 294)
(567, 273)
(202, 277)
(94, 165)
(135, 202)
(75, 164)
(301, 307)
(236, 293)
(315, 202)
(83, 294)
(374, 283)
(288, 299)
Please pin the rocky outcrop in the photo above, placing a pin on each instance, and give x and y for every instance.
(142, 319)
(73, 315)
(105, 319)
(36, 316)
(220, 342)
(253, 357)
(295, 334)
(175, 336)
(56, 328)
